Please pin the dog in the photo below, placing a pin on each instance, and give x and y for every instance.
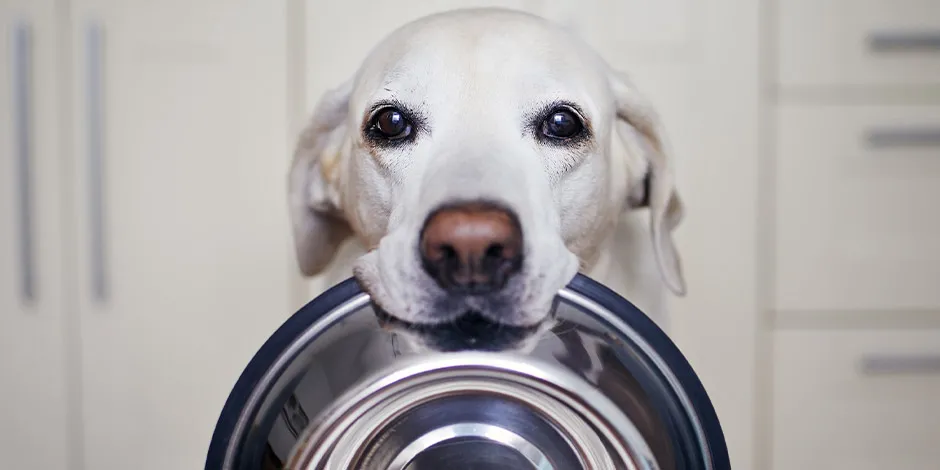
(480, 158)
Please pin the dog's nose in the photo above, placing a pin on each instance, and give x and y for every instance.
(471, 248)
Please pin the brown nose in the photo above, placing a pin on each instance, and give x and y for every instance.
(471, 248)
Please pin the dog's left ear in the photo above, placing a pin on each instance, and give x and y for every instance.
(639, 126)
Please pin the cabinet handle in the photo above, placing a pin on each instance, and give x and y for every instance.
(904, 137)
(908, 41)
(900, 364)
(94, 43)
(22, 97)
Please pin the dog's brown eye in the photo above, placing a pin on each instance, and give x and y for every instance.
(561, 125)
(392, 124)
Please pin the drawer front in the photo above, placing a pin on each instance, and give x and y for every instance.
(858, 42)
(857, 208)
(865, 400)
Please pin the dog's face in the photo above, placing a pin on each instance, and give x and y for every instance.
(482, 156)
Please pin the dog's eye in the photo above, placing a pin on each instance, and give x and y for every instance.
(392, 124)
(561, 124)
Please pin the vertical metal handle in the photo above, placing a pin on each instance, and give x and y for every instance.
(95, 118)
(22, 98)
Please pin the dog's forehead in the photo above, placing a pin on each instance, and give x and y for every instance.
(487, 55)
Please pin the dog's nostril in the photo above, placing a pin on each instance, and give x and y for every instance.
(448, 254)
(494, 252)
(471, 248)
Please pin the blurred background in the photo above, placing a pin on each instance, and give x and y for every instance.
(145, 250)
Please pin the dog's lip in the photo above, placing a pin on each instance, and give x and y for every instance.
(469, 323)
(470, 331)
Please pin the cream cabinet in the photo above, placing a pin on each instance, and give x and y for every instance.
(861, 399)
(179, 153)
(853, 264)
(857, 43)
(160, 244)
(857, 191)
(34, 346)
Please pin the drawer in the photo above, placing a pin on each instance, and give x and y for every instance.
(860, 400)
(858, 42)
(857, 208)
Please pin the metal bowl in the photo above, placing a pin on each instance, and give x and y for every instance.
(339, 387)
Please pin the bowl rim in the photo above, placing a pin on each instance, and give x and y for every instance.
(582, 285)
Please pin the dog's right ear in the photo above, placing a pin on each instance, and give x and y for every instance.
(315, 207)
(640, 127)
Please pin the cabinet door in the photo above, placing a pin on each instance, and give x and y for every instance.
(856, 43)
(181, 158)
(33, 426)
(857, 221)
(856, 399)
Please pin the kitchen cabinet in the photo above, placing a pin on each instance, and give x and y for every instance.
(856, 207)
(33, 327)
(861, 43)
(158, 258)
(853, 131)
(179, 159)
(842, 393)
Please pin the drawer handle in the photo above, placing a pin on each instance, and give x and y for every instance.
(900, 364)
(23, 120)
(95, 118)
(885, 41)
(906, 137)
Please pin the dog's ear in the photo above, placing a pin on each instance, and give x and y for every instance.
(639, 126)
(318, 223)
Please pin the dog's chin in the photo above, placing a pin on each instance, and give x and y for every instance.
(470, 331)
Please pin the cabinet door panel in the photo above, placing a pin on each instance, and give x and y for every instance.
(859, 399)
(856, 209)
(33, 408)
(180, 133)
(857, 43)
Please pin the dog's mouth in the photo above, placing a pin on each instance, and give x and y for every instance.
(469, 331)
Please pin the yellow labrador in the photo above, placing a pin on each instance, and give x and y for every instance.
(481, 158)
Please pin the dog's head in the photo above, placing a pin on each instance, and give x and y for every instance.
(481, 156)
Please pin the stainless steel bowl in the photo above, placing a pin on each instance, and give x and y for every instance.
(338, 386)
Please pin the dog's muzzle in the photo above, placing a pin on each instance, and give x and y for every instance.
(337, 388)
